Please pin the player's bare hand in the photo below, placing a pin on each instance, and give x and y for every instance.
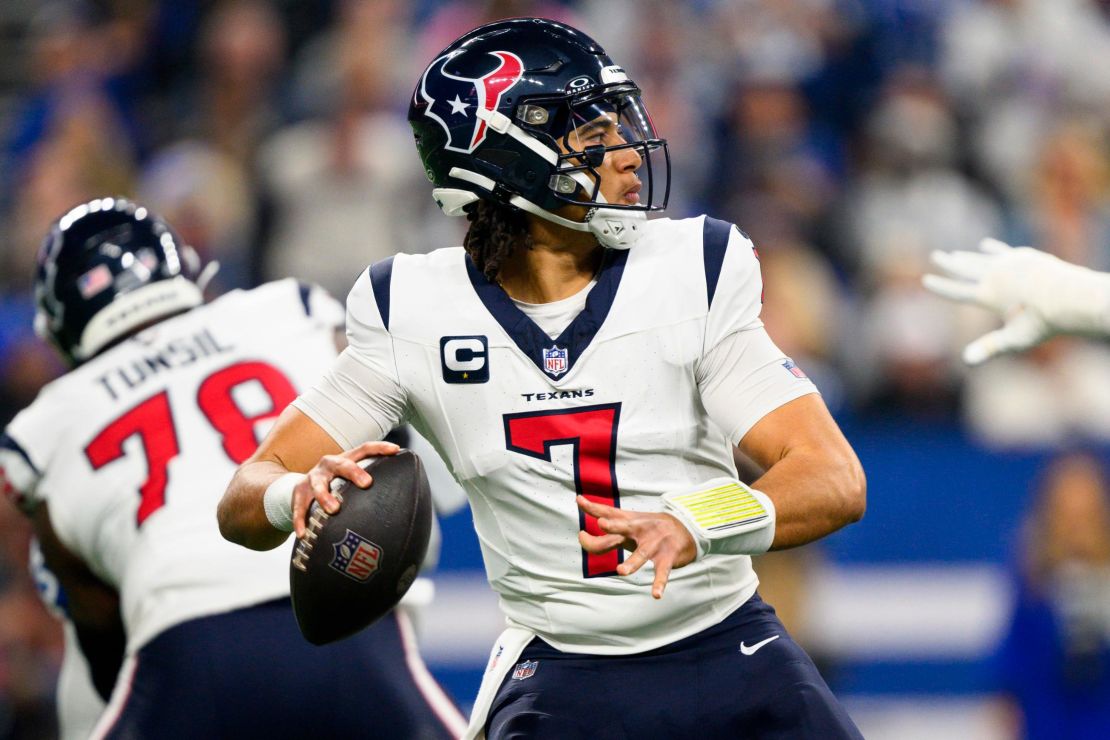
(657, 537)
(317, 483)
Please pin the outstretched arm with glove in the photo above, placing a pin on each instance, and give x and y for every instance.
(1038, 295)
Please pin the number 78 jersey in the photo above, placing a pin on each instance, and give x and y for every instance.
(617, 408)
(132, 450)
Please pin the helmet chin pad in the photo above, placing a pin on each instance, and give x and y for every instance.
(616, 229)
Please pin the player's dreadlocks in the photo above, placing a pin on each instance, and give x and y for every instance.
(495, 231)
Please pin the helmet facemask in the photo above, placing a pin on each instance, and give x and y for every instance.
(611, 119)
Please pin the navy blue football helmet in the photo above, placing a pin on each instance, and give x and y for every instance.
(107, 268)
(499, 114)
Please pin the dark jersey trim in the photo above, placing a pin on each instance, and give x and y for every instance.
(304, 289)
(8, 443)
(381, 275)
(530, 338)
(714, 242)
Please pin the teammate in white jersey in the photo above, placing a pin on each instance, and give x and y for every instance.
(586, 374)
(120, 464)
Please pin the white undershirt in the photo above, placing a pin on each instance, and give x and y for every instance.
(556, 316)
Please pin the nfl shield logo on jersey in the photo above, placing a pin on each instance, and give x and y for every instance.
(525, 670)
(555, 361)
(356, 557)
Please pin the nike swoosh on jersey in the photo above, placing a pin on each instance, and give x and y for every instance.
(750, 649)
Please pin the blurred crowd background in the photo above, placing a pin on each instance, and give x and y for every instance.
(847, 137)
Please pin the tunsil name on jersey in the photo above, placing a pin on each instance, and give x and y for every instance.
(174, 353)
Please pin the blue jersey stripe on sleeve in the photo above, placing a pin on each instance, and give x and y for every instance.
(381, 274)
(714, 242)
(8, 443)
(304, 289)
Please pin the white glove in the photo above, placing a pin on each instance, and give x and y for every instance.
(1037, 294)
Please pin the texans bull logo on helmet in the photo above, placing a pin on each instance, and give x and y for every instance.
(453, 99)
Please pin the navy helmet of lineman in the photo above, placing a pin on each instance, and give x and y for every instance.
(500, 114)
(107, 268)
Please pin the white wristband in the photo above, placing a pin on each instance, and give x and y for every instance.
(278, 501)
(725, 517)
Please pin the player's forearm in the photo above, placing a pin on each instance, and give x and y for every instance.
(815, 493)
(241, 513)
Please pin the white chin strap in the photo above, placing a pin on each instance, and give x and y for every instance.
(613, 227)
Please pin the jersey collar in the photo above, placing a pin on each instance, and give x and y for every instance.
(554, 357)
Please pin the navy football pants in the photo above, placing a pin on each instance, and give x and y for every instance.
(250, 674)
(700, 687)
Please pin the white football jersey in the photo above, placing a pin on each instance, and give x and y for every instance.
(132, 450)
(635, 398)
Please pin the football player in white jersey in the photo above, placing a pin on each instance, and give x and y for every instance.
(586, 374)
(1037, 294)
(121, 462)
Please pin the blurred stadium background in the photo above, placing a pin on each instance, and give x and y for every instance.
(847, 137)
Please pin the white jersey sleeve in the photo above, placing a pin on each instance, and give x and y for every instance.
(733, 283)
(26, 448)
(742, 375)
(360, 398)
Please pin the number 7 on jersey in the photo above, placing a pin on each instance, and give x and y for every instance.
(592, 432)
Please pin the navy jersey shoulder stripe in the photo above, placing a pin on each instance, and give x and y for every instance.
(381, 275)
(304, 289)
(8, 443)
(714, 242)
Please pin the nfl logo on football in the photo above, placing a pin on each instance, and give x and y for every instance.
(356, 557)
(525, 670)
(555, 361)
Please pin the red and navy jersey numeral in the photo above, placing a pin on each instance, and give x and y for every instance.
(592, 432)
(152, 422)
(236, 429)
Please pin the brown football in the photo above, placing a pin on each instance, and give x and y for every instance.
(352, 567)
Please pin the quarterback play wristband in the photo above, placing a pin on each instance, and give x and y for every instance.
(725, 516)
(278, 501)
